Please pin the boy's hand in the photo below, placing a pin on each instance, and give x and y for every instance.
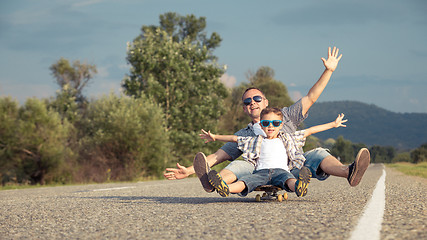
(339, 121)
(333, 59)
(208, 136)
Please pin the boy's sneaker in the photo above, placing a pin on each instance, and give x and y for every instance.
(216, 181)
(301, 184)
(201, 167)
(358, 167)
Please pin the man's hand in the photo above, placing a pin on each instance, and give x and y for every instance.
(333, 59)
(177, 173)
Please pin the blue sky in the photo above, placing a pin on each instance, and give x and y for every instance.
(383, 42)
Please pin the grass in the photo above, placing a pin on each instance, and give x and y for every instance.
(419, 169)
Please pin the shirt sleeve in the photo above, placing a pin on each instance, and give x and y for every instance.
(293, 116)
(299, 138)
(231, 148)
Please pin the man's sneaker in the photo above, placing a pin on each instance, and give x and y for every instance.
(202, 168)
(301, 184)
(216, 181)
(358, 167)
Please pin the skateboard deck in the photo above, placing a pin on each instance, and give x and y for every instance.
(270, 193)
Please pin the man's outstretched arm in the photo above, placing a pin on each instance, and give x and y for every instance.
(181, 172)
(330, 65)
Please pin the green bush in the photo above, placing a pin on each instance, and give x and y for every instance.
(34, 144)
(124, 138)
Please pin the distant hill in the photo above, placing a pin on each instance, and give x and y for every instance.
(370, 124)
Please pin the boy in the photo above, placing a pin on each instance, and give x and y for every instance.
(271, 155)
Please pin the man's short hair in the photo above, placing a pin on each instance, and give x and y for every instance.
(252, 88)
(268, 110)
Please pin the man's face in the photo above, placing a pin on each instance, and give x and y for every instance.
(271, 130)
(254, 108)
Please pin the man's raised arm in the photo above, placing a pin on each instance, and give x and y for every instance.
(330, 65)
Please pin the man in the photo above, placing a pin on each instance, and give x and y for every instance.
(320, 162)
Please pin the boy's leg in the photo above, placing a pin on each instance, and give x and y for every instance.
(244, 186)
(301, 184)
(236, 170)
(237, 187)
(287, 181)
(215, 179)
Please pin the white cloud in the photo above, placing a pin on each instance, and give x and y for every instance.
(229, 81)
(296, 95)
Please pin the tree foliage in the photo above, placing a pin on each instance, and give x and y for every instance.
(182, 79)
(40, 142)
(74, 77)
(126, 137)
(187, 28)
(419, 154)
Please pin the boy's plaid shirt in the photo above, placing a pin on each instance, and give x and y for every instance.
(251, 146)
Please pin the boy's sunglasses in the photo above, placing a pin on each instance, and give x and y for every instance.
(266, 123)
(248, 101)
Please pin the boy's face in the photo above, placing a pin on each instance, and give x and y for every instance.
(271, 130)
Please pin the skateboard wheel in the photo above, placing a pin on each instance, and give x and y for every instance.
(258, 198)
(279, 198)
(285, 196)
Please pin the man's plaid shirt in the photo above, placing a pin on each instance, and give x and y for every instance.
(293, 142)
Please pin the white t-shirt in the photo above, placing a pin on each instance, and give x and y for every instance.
(272, 155)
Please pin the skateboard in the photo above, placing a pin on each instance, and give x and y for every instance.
(270, 193)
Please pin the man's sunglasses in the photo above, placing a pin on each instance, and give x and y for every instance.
(266, 123)
(248, 101)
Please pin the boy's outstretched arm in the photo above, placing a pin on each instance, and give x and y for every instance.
(210, 137)
(320, 128)
(330, 65)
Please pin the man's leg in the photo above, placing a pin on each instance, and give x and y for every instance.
(236, 170)
(322, 164)
(332, 166)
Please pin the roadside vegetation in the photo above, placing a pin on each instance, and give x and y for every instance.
(419, 169)
(173, 90)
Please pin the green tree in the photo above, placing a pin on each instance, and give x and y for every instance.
(380, 154)
(419, 154)
(343, 150)
(187, 28)
(8, 138)
(40, 144)
(73, 78)
(125, 138)
(402, 157)
(180, 77)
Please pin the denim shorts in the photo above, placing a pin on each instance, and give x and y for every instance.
(276, 177)
(240, 168)
(313, 158)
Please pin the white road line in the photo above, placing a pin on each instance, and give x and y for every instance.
(109, 189)
(369, 226)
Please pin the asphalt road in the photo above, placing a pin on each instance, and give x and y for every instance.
(181, 209)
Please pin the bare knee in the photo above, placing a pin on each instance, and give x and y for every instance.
(228, 176)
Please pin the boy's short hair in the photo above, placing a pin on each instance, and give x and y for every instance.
(268, 110)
